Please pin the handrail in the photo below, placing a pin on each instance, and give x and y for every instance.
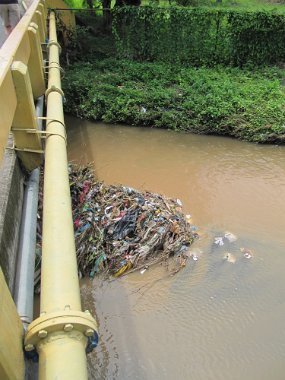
(24, 46)
(13, 42)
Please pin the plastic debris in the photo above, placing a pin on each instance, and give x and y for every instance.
(179, 202)
(144, 270)
(195, 254)
(219, 240)
(230, 257)
(230, 237)
(188, 218)
(119, 229)
(247, 253)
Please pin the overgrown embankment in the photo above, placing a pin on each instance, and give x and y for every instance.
(223, 101)
(157, 75)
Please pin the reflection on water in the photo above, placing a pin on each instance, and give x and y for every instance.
(215, 319)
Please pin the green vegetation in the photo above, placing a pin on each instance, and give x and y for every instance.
(193, 69)
(225, 101)
(273, 5)
(76, 3)
(199, 36)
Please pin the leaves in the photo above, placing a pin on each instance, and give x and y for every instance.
(199, 35)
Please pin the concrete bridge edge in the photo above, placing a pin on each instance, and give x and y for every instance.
(11, 200)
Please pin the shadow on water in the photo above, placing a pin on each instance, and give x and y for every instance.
(109, 302)
(83, 142)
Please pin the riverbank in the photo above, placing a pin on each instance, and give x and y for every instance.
(240, 103)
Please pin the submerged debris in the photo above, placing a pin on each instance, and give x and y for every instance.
(247, 253)
(227, 242)
(230, 236)
(219, 240)
(118, 229)
(230, 257)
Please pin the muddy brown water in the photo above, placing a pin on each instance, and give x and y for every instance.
(214, 319)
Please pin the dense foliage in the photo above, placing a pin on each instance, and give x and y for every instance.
(198, 36)
(225, 101)
(234, 4)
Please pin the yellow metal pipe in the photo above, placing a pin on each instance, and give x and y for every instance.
(60, 285)
(62, 357)
(60, 333)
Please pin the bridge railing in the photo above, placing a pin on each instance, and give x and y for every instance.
(21, 81)
(62, 331)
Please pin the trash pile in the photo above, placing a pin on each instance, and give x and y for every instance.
(119, 229)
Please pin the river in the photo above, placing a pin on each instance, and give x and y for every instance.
(215, 319)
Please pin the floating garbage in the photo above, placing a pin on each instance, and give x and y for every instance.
(143, 270)
(222, 240)
(247, 253)
(230, 237)
(119, 229)
(226, 239)
(188, 218)
(195, 254)
(230, 257)
(178, 201)
(219, 240)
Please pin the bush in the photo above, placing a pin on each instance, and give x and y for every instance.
(193, 3)
(199, 36)
(225, 101)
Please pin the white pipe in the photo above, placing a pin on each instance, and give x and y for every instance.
(24, 285)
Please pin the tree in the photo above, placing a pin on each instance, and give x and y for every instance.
(121, 3)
